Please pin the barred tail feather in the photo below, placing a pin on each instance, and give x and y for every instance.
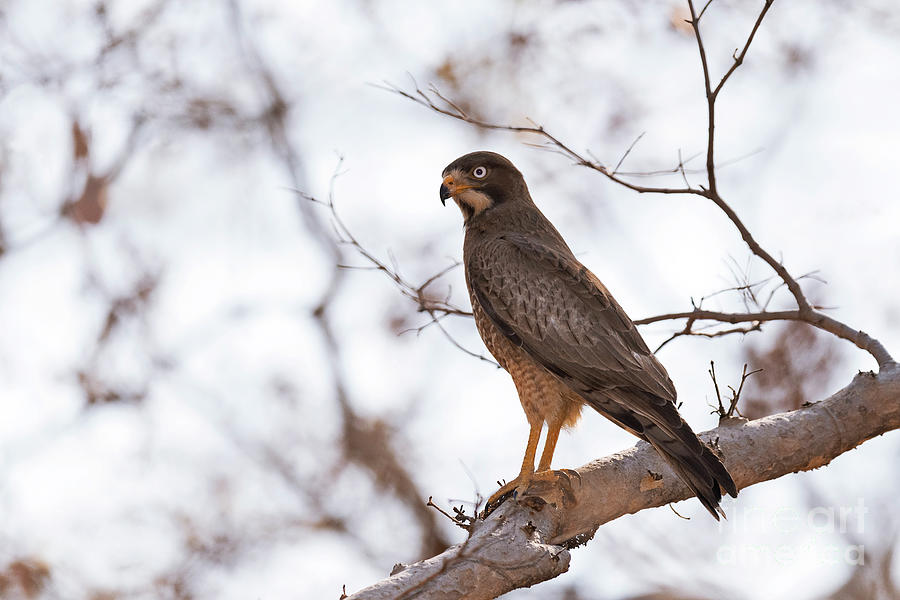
(657, 422)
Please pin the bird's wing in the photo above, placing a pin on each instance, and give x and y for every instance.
(548, 303)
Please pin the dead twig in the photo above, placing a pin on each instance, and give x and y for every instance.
(678, 514)
(451, 110)
(627, 152)
(436, 308)
(712, 374)
(461, 519)
(723, 412)
(736, 394)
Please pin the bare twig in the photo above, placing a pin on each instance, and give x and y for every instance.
(679, 168)
(420, 97)
(689, 330)
(736, 394)
(416, 293)
(711, 315)
(627, 152)
(705, 6)
(739, 58)
(453, 341)
(712, 374)
(672, 506)
(460, 520)
(434, 307)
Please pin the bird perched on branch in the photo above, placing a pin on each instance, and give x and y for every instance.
(560, 334)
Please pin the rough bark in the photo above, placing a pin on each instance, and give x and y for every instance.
(523, 543)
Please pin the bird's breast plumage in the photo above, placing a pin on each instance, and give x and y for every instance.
(543, 396)
(544, 301)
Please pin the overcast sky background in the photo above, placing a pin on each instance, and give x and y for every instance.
(226, 356)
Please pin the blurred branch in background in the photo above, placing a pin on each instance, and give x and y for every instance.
(366, 441)
(24, 578)
(146, 54)
(794, 366)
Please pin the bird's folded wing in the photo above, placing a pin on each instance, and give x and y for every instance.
(551, 305)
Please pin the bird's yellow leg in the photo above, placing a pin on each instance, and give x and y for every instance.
(553, 486)
(521, 482)
(549, 446)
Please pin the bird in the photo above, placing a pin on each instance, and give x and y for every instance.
(560, 334)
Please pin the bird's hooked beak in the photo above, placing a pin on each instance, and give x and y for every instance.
(445, 189)
(450, 188)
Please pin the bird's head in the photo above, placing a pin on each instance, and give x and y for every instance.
(480, 181)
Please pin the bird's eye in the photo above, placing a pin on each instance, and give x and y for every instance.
(479, 172)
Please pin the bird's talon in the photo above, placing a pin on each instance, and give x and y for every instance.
(572, 474)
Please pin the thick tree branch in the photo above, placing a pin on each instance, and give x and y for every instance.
(525, 542)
